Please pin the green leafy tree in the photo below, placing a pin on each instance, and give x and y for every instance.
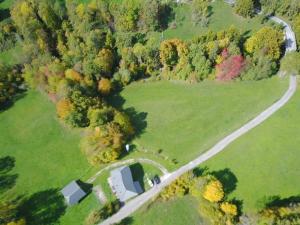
(200, 12)
(244, 8)
(149, 15)
(259, 67)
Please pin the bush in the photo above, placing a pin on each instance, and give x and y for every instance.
(244, 8)
(230, 68)
(179, 187)
(93, 218)
(213, 191)
(229, 208)
(106, 211)
(104, 86)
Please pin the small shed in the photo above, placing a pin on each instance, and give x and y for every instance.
(73, 193)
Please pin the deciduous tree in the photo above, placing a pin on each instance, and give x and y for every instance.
(244, 8)
(267, 40)
(213, 191)
(230, 68)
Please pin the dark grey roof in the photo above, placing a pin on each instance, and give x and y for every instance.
(122, 183)
(73, 193)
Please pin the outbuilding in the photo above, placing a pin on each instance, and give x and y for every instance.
(73, 193)
(122, 184)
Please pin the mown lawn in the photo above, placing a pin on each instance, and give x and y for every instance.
(183, 120)
(266, 160)
(46, 157)
(180, 211)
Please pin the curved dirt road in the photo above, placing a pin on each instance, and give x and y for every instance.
(137, 202)
(129, 161)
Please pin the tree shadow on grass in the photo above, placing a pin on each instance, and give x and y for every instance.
(239, 205)
(227, 178)
(43, 208)
(199, 171)
(10, 103)
(7, 164)
(277, 201)
(138, 174)
(138, 120)
(4, 14)
(126, 221)
(7, 181)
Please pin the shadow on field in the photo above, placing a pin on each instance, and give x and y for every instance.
(277, 201)
(227, 178)
(4, 14)
(126, 221)
(44, 207)
(11, 102)
(7, 164)
(7, 181)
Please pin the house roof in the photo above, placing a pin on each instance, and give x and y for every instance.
(73, 193)
(122, 183)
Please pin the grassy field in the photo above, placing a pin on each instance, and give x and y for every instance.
(222, 17)
(266, 160)
(10, 56)
(183, 210)
(185, 120)
(6, 4)
(46, 157)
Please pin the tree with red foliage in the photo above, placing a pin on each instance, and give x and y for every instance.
(230, 68)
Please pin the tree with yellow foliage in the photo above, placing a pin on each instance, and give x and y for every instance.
(64, 107)
(105, 61)
(73, 75)
(18, 222)
(104, 86)
(229, 208)
(173, 52)
(267, 40)
(213, 191)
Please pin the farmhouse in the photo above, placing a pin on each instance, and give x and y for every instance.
(73, 193)
(122, 184)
